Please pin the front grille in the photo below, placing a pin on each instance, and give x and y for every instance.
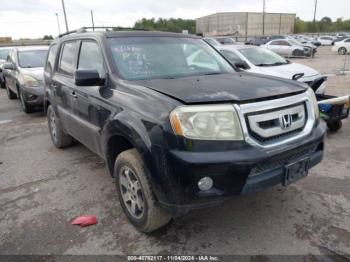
(281, 160)
(276, 124)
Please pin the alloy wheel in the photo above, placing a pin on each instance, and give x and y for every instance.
(53, 127)
(131, 191)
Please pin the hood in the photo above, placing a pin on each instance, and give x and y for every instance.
(237, 87)
(37, 72)
(287, 71)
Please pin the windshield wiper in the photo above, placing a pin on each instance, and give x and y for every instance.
(273, 64)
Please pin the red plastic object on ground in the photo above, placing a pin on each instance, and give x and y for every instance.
(85, 221)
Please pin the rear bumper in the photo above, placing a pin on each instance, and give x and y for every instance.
(34, 95)
(235, 172)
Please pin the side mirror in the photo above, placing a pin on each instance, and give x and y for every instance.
(242, 65)
(9, 66)
(88, 77)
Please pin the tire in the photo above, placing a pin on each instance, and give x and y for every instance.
(27, 108)
(342, 51)
(59, 138)
(134, 190)
(10, 94)
(335, 126)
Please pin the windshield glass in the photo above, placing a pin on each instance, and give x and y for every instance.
(34, 58)
(262, 57)
(4, 53)
(165, 57)
(293, 41)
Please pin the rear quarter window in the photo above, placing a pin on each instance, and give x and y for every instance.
(51, 58)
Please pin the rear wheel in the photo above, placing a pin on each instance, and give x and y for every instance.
(59, 138)
(135, 193)
(10, 93)
(27, 108)
(342, 51)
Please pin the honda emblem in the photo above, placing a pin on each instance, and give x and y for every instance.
(286, 121)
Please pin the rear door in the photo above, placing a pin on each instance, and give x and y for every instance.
(87, 99)
(10, 75)
(63, 83)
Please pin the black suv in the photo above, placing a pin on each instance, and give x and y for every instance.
(177, 125)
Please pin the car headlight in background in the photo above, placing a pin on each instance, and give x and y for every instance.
(29, 81)
(312, 95)
(207, 122)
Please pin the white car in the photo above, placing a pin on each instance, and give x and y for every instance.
(325, 40)
(286, 48)
(263, 61)
(342, 47)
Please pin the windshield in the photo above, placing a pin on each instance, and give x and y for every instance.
(34, 58)
(165, 57)
(293, 41)
(262, 57)
(4, 53)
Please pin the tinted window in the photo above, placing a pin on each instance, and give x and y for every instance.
(347, 41)
(34, 58)
(90, 57)
(67, 58)
(165, 57)
(50, 63)
(275, 43)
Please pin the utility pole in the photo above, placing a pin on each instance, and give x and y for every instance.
(315, 11)
(58, 24)
(65, 16)
(264, 10)
(92, 20)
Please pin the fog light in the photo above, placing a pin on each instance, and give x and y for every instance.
(205, 183)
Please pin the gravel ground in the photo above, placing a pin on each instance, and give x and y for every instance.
(42, 189)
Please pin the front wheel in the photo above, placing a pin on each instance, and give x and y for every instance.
(135, 193)
(342, 51)
(10, 94)
(27, 108)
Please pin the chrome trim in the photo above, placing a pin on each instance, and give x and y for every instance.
(275, 104)
(279, 116)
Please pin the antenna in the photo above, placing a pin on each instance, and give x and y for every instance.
(264, 11)
(65, 16)
(315, 11)
(92, 21)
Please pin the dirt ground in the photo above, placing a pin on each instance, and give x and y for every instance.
(42, 189)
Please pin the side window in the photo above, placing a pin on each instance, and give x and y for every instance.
(50, 63)
(8, 59)
(347, 41)
(67, 65)
(284, 43)
(90, 57)
(275, 43)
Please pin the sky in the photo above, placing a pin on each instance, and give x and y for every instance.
(36, 18)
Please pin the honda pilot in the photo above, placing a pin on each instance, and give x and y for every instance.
(177, 130)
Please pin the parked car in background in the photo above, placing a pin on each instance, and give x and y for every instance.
(325, 40)
(212, 41)
(342, 47)
(23, 75)
(339, 38)
(4, 51)
(286, 48)
(176, 134)
(225, 40)
(257, 41)
(263, 61)
(307, 46)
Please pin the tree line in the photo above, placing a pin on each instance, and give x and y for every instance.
(177, 25)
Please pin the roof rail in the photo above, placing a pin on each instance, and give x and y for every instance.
(107, 28)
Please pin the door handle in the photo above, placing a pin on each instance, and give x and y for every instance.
(53, 85)
(73, 94)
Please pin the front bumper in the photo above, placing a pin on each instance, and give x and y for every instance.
(244, 170)
(34, 95)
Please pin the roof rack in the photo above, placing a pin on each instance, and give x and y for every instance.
(107, 29)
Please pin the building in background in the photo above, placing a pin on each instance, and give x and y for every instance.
(245, 24)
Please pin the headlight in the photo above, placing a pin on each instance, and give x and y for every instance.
(30, 81)
(209, 122)
(312, 95)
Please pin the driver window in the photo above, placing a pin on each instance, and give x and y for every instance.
(90, 57)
